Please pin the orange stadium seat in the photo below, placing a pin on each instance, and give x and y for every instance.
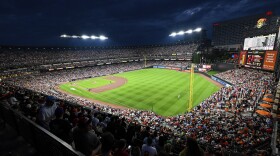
(264, 105)
(263, 113)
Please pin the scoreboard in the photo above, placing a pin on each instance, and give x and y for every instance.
(259, 52)
(258, 59)
(260, 42)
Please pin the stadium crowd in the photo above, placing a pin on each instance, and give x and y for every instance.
(223, 123)
(46, 82)
(26, 57)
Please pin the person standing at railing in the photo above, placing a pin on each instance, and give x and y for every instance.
(47, 112)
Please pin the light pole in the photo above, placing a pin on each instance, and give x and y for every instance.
(190, 31)
(85, 37)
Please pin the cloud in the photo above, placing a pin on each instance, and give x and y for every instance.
(192, 11)
(210, 11)
(187, 14)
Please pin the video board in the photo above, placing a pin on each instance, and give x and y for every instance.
(265, 42)
(255, 59)
(258, 59)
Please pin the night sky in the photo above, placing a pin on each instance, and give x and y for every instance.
(125, 22)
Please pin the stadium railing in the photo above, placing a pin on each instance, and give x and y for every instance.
(44, 141)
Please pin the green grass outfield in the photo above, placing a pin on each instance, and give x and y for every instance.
(212, 72)
(164, 91)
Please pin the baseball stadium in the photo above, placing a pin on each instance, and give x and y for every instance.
(190, 97)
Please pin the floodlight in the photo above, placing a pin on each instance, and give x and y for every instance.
(84, 37)
(101, 37)
(197, 29)
(189, 31)
(173, 34)
(64, 35)
(181, 33)
(93, 37)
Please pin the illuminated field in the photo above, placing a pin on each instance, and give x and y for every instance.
(164, 91)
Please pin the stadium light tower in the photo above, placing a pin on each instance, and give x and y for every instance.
(173, 34)
(190, 31)
(101, 37)
(181, 33)
(85, 37)
(198, 29)
(93, 37)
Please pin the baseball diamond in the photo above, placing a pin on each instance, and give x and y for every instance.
(166, 92)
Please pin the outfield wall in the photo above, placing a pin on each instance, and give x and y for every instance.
(166, 67)
(223, 82)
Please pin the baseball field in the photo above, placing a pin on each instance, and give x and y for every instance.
(166, 92)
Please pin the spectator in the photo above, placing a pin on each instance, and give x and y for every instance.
(108, 142)
(167, 150)
(13, 101)
(192, 148)
(147, 149)
(61, 127)
(85, 140)
(121, 149)
(95, 120)
(47, 112)
(135, 148)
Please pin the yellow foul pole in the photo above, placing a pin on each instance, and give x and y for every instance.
(191, 88)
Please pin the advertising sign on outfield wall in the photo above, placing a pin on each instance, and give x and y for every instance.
(202, 69)
(161, 66)
(206, 66)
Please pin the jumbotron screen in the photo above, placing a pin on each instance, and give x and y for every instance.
(260, 42)
(258, 59)
(255, 59)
